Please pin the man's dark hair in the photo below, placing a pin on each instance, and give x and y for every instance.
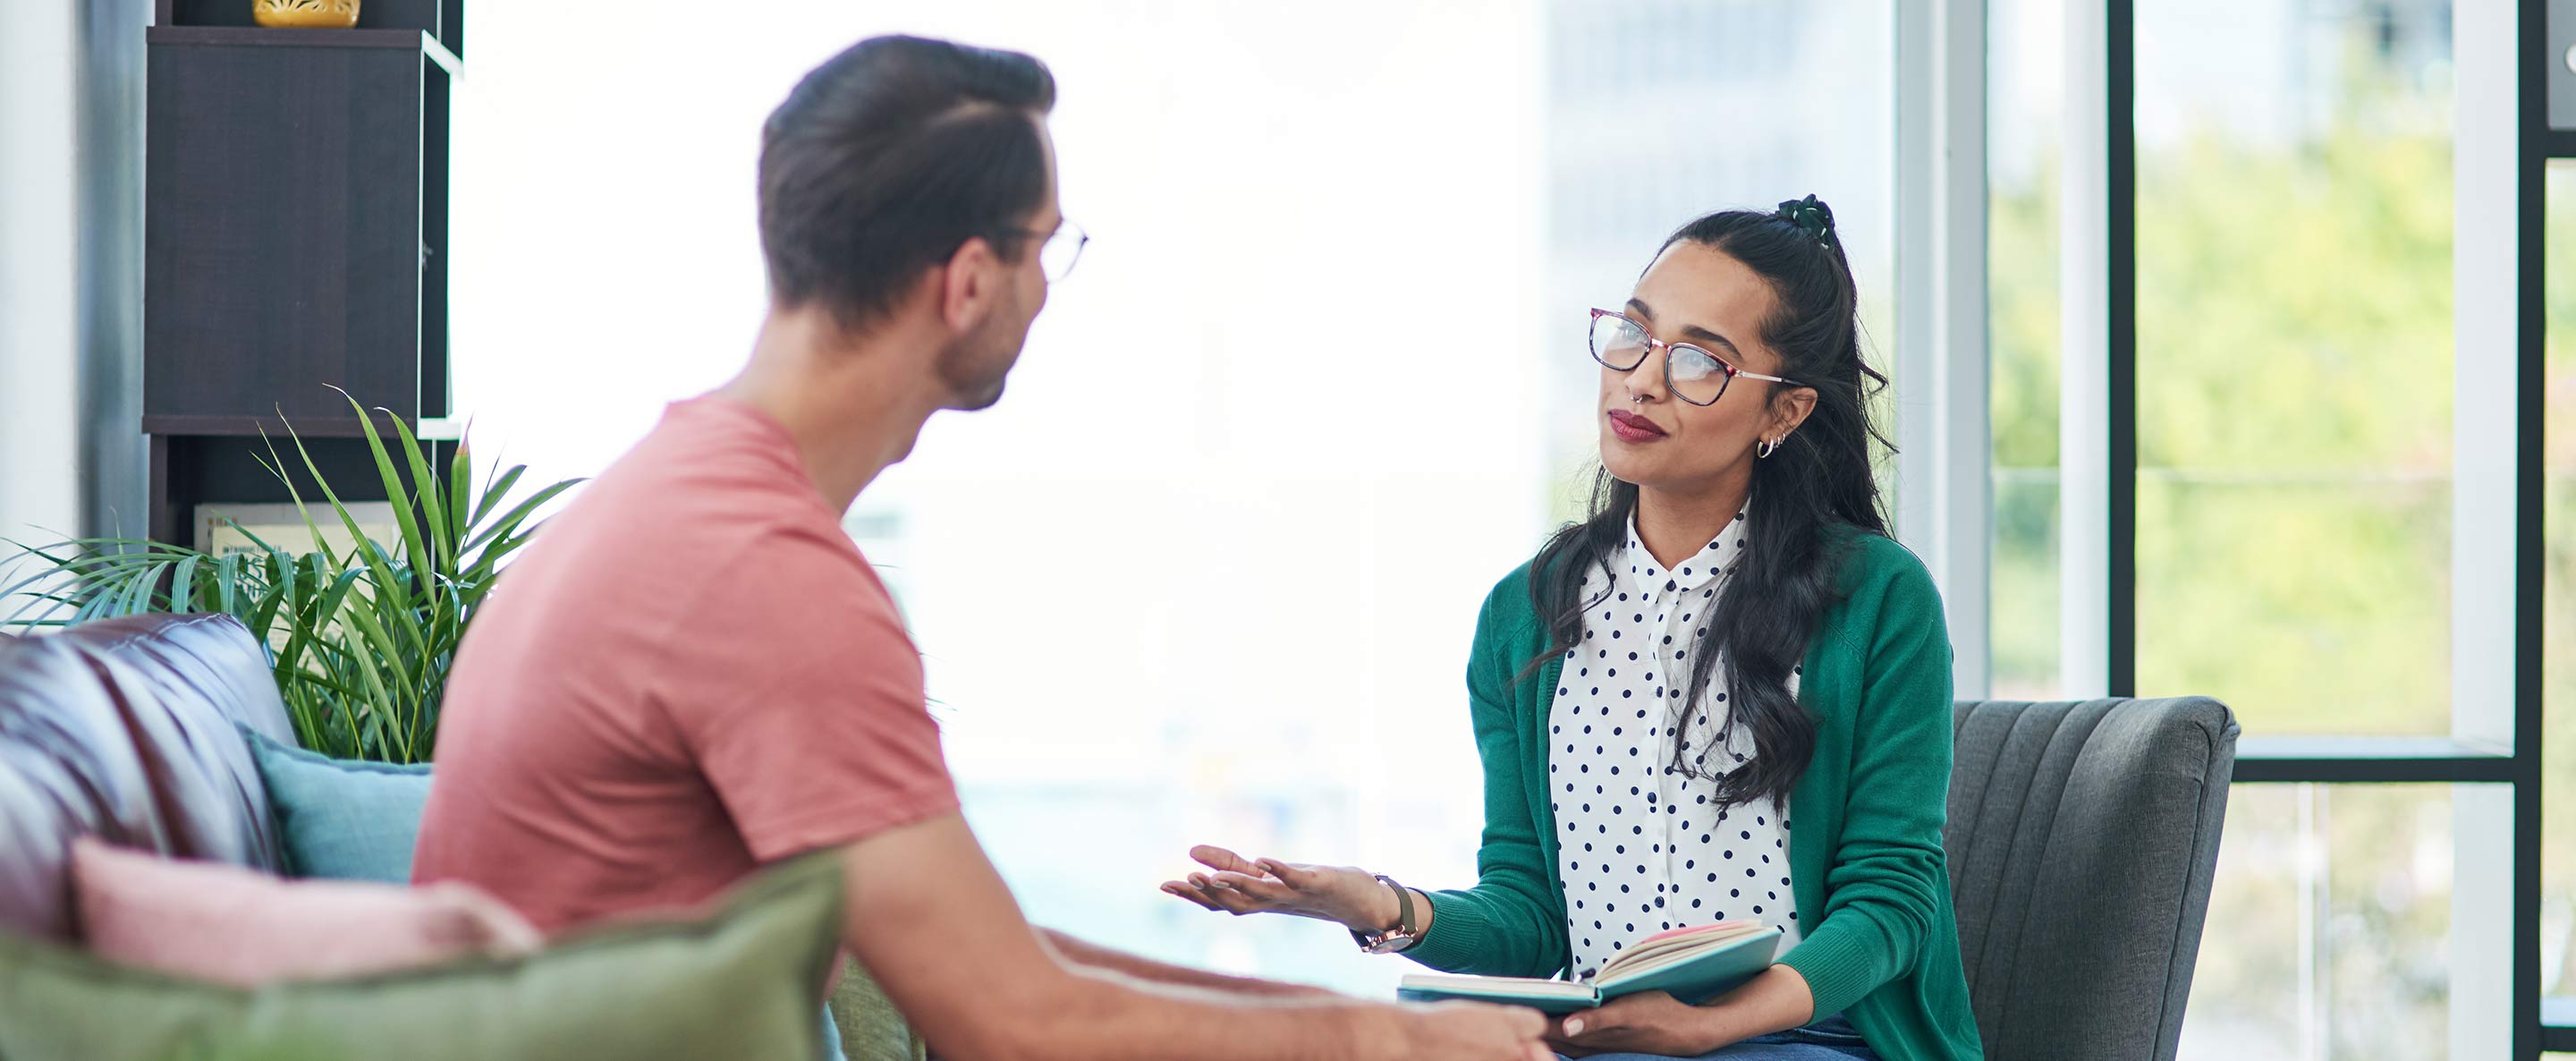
(888, 157)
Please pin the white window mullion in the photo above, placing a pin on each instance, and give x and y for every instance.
(2084, 351)
(1944, 482)
(2485, 429)
(2485, 433)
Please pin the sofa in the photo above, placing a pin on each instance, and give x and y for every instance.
(124, 729)
(130, 730)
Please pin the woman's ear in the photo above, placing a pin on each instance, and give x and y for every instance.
(1790, 410)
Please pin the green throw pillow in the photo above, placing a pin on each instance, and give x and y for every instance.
(738, 984)
(342, 819)
(870, 1027)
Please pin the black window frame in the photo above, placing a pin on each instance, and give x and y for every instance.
(2537, 1028)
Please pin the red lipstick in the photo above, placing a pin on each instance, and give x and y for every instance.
(1631, 427)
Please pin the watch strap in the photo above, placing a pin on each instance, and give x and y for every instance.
(1404, 921)
(1407, 930)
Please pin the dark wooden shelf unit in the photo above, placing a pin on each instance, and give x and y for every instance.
(261, 37)
(345, 425)
(295, 244)
(442, 19)
(190, 470)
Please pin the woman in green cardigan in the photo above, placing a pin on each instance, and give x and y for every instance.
(1727, 640)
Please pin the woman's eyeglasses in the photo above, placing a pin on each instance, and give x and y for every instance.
(1693, 374)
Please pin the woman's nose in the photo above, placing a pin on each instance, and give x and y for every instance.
(1647, 379)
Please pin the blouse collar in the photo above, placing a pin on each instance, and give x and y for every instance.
(1718, 558)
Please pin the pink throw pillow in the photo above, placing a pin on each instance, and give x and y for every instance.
(239, 926)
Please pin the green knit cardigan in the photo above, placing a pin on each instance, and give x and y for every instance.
(1880, 942)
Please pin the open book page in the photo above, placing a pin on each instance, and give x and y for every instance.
(1712, 964)
(1697, 963)
(1658, 950)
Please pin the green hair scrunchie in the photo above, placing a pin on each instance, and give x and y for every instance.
(1812, 216)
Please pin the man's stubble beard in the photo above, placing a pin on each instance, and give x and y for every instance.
(973, 370)
(975, 366)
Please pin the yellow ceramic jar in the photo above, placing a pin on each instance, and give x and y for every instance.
(324, 14)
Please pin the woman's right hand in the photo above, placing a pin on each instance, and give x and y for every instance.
(1237, 885)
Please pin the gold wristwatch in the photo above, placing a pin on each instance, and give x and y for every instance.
(1406, 932)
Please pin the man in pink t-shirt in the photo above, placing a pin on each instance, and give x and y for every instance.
(693, 672)
(690, 674)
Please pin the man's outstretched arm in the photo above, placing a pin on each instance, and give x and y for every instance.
(1081, 953)
(940, 932)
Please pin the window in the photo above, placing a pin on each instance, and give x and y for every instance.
(2280, 241)
(2328, 926)
(2025, 152)
(2558, 657)
(2294, 361)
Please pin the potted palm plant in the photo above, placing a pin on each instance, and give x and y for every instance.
(359, 636)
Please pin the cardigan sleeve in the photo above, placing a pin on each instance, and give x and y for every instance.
(1511, 923)
(1885, 880)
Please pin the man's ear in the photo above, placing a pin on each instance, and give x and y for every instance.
(967, 285)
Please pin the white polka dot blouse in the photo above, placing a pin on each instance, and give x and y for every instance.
(1642, 847)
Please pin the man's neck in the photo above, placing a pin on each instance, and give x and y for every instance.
(854, 406)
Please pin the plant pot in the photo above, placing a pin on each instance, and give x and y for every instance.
(308, 14)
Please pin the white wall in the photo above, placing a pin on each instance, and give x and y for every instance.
(71, 106)
(39, 254)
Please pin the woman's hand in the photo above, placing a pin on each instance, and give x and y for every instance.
(1649, 1022)
(1236, 885)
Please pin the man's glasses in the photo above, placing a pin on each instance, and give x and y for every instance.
(1693, 374)
(1062, 248)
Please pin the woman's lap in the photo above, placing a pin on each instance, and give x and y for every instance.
(1749, 1052)
(1831, 1039)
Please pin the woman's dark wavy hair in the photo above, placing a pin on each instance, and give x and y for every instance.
(1807, 499)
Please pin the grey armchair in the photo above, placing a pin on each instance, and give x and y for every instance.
(2082, 838)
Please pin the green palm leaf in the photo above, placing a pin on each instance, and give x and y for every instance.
(359, 640)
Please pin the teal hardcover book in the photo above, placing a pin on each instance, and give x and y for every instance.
(1692, 964)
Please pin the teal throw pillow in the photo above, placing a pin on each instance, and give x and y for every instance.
(738, 983)
(342, 819)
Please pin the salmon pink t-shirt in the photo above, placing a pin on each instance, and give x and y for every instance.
(689, 674)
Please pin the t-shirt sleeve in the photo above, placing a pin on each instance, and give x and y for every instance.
(803, 702)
